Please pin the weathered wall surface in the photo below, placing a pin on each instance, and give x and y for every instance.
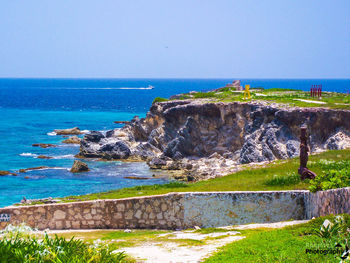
(181, 210)
(335, 201)
(231, 208)
(164, 211)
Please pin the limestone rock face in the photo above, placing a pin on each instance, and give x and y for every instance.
(2, 173)
(241, 132)
(157, 163)
(79, 166)
(339, 140)
(106, 149)
(94, 136)
(43, 145)
(72, 131)
(72, 140)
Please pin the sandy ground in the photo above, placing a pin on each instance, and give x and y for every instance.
(171, 252)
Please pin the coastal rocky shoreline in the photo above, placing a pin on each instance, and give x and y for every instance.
(205, 139)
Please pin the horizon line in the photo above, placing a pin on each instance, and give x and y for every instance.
(165, 78)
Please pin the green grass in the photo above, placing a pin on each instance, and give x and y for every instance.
(336, 175)
(281, 245)
(279, 180)
(159, 99)
(279, 175)
(283, 96)
(121, 239)
(55, 249)
(259, 245)
(200, 95)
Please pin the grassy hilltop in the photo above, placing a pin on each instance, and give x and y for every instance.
(291, 97)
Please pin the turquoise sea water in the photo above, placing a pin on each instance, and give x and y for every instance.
(32, 108)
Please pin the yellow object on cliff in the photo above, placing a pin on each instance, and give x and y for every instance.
(247, 92)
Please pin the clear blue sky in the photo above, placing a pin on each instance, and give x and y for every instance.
(179, 39)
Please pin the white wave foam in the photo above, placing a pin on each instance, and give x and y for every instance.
(136, 88)
(85, 131)
(58, 168)
(67, 156)
(51, 168)
(29, 154)
(142, 88)
(51, 133)
(68, 145)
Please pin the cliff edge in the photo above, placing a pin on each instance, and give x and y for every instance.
(209, 139)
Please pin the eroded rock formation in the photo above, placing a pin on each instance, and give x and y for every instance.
(189, 133)
(71, 131)
(72, 140)
(79, 166)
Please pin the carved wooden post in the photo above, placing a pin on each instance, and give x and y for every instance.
(304, 156)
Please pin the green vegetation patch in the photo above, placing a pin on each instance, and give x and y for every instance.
(55, 249)
(281, 180)
(290, 97)
(291, 244)
(159, 99)
(201, 95)
(279, 175)
(334, 175)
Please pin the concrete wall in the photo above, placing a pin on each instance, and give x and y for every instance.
(181, 210)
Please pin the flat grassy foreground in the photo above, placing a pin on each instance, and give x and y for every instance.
(307, 242)
(279, 175)
(288, 244)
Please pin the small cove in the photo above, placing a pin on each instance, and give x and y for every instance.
(30, 109)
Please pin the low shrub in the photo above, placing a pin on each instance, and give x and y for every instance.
(337, 231)
(334, 175)
(21, 244)
(159, 99)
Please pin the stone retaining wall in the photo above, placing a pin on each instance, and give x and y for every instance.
(165, 211)
(335, 201)
(232, 208)
(181, 210)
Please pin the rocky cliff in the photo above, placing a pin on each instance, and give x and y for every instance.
(208, 139)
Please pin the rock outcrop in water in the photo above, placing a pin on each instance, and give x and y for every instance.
(207, 139)
(79, 166)
(72, 140)
(71, 131)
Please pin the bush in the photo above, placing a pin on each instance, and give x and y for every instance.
(334, 175)
(159, 99)
(337, 231)
(26, 247)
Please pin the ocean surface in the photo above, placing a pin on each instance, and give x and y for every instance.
(30, 109)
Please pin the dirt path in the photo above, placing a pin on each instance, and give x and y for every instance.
(171, 252)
